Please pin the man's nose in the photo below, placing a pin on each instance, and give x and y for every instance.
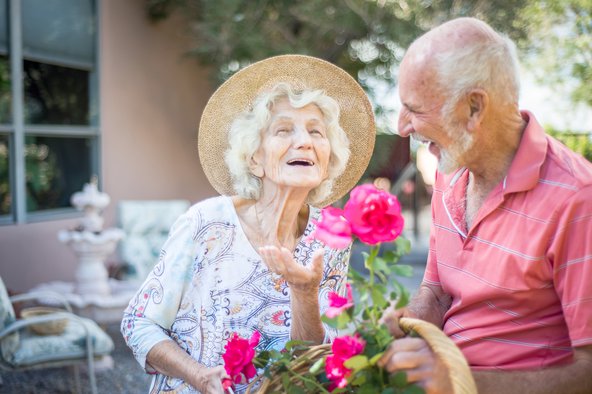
(404, 126)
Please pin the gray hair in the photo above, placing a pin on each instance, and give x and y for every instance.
(245, 137)
(491, 64)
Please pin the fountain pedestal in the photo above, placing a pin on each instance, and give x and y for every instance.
(92, 293)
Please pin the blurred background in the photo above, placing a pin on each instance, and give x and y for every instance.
(115, 89)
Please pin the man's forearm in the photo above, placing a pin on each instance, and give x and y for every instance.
(429, 304)
(575, 378)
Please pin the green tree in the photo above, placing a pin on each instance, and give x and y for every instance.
(367, 38)
(560, 42)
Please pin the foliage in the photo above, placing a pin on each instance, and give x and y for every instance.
(560, 39)
(578, 142)
(367, 38)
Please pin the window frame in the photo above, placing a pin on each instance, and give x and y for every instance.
(17, 130)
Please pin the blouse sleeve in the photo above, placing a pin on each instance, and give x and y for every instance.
(151, 312)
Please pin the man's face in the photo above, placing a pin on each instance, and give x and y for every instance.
(421, 117)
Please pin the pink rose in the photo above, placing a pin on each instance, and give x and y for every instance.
(374, 214)
(338, 304)
(347, 346)
(343, 349)
(333, 229)
(238, 357)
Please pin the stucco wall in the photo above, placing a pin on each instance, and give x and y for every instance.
(151, 99)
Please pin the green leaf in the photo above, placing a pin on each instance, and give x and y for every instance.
(378, 298)
(403, 270)
(317, 366)
(286, 382)
(388, 390)
(403, 246)
(413, 390)
(293, 389)
(357, 362)
(358, 380)
(375, 358)
(380, 265)
(398, 379)
(403, 299)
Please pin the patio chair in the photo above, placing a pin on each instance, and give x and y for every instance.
(82, 340)
(146, 224)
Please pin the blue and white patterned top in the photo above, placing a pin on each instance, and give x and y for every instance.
(210, 282)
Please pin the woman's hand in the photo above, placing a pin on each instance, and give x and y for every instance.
(209, 380)
(299, 277)
(415, 357)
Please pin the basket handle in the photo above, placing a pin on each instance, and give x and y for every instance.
(447, 351)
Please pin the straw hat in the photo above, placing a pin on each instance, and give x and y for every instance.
(238, 93)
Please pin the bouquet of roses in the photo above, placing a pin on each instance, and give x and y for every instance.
(349, 364)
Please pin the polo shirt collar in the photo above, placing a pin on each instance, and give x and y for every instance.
(526, 166)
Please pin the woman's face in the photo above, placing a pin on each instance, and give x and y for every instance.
(294, 150)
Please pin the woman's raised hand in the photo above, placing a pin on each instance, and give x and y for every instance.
(280, 261)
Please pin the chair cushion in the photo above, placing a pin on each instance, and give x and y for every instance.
(146, 225)
(7, 317)
(71, 344)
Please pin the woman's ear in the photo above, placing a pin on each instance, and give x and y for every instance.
(255, 166)
(478, 101)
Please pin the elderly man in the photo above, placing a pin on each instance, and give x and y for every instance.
(509, 272)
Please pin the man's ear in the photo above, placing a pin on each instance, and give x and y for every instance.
(255, 166)
(478, 101)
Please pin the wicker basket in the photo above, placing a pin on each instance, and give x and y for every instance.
(54, 327)
(460, 373)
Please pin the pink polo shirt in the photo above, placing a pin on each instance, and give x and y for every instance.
(521, 277)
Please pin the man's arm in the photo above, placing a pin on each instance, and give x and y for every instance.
(574, 378)
(430, 303)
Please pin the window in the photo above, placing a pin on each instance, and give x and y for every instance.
(48, 106)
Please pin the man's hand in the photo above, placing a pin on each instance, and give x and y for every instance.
(415, 357)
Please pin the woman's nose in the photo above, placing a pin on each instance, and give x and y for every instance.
(302, 139)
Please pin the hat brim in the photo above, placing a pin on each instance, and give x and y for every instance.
(238, 93)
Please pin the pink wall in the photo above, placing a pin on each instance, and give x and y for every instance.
(151, 101)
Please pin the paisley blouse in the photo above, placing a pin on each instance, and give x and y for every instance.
(210, 282)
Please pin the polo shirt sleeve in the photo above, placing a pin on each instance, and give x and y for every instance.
(152, 311)
(570, 253)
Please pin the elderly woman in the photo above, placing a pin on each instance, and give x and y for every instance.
(242, 262)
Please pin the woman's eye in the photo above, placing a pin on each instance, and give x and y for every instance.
(316, 131)
(283, 131)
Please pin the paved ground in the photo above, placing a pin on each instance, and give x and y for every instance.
(126, 377)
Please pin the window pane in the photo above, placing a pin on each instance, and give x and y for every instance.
(55, 94)
(62, 30)
(55, 169)
(3, 27)
(5, 200)
(5, 115)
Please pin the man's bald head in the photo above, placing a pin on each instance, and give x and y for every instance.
(466, 53)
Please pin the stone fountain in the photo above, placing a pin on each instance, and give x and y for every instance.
(93, 294)
(90, 242)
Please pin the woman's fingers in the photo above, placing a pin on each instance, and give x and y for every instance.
(280, 261)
